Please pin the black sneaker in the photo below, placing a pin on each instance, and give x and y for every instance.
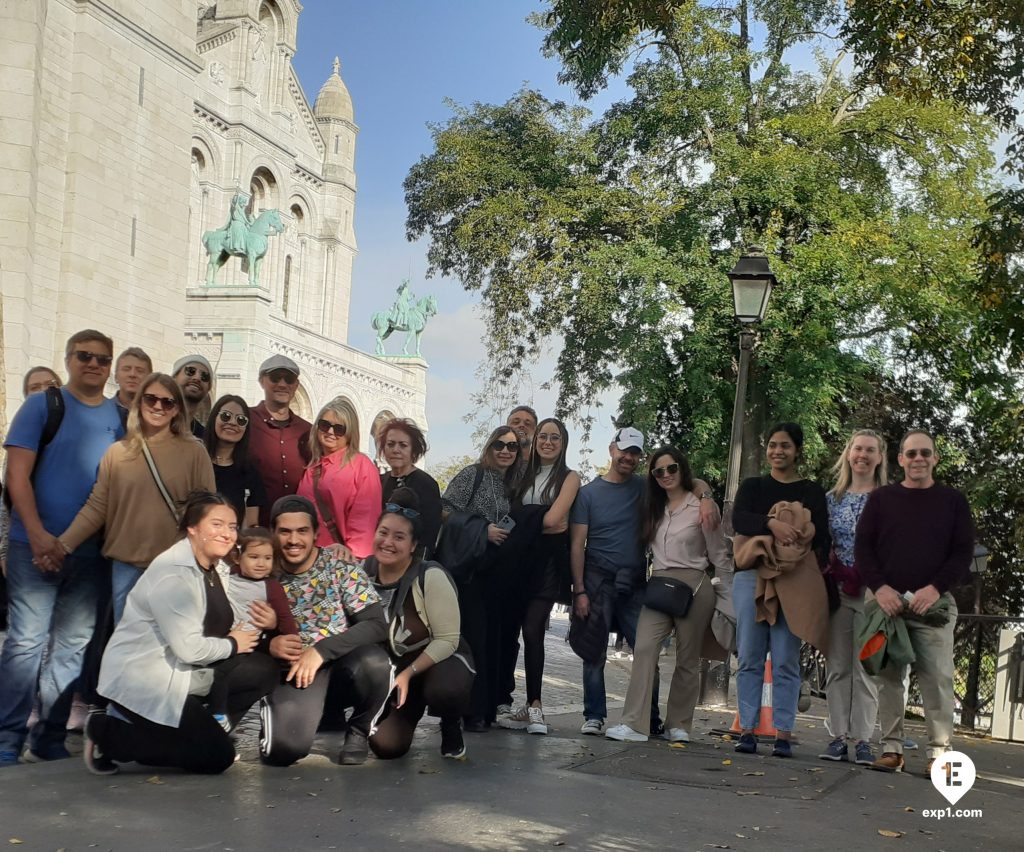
(95, 762)
(452, 744)
(356, 749)
(747, 744)
(657, 730)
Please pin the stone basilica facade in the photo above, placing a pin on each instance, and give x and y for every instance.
(128, 127)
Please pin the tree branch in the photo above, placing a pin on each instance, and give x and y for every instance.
(833, 68)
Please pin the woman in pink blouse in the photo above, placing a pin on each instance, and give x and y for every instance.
(681, 550)
(342, 482)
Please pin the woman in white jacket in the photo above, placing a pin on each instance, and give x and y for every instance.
(156, 670)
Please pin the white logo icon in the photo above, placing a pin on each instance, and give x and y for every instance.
(953, 775)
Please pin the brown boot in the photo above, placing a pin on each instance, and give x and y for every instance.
(891, 761)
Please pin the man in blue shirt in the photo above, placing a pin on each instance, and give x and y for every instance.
(52, 594)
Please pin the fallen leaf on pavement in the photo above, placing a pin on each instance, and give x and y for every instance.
(747, 793)
(727, 762)
(885, 832)
(676, 745)
(14, 841)
(755, 773)
(335, 810)
(154, 779)
(727, 738)
(908, 810)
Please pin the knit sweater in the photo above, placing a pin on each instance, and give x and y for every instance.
(909, 538)
(127, 504)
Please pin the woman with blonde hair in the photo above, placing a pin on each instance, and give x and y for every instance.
(343, 483)
(851, 693)
(143, 482)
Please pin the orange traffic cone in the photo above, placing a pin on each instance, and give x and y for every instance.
(765, 724)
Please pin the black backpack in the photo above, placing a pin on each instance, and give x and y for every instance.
(54, 417)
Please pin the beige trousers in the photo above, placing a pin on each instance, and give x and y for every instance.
(651, 630)
(933, 647)
(851, 692)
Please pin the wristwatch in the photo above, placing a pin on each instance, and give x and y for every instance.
(706, 495)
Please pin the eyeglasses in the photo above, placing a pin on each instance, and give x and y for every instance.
(191, 372)
(326, 426)
(667, 470)
(913, 454)
(553, 438)
(395, 509)
(164, 403)
(286, 376)
(511, 446)
(227, 416)
(85, 357)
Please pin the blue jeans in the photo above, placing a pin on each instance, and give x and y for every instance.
(123, 578)
(56, 609)
(754, 639)
(625, 609)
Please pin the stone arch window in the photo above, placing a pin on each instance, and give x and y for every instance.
(299, 217)
(263, 189)
(300, 403)
(378, 422)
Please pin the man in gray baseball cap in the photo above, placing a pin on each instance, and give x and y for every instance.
(278, 437)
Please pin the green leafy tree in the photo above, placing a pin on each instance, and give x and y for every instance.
(614, 235)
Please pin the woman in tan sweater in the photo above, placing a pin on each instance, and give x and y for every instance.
(127, 502)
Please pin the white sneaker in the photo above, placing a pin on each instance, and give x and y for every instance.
(625, 734)
(592, 727)
(503, 710)
(516, 720)
(537, 724)
(678, 735)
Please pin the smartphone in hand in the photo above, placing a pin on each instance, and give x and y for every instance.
(506, 524)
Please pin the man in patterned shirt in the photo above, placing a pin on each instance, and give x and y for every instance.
(336, 659)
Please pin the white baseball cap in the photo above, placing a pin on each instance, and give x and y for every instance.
(629, 438)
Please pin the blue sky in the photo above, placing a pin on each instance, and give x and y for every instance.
(401, 60)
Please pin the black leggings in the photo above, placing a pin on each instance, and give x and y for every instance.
(444, 688)
(239, 682)
(535, 624)
(362, 680)
(198, 744)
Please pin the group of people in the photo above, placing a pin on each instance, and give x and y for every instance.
(175, 570)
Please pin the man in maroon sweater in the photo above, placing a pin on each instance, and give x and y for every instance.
(278, 437)
(916, 537)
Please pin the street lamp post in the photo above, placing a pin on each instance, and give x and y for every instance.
(969, 714)
(752, 281)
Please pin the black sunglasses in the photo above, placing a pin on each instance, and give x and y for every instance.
(286, 376)
(326, 426)
(913, 454)
(395, 509)
(164, 403)
(511, 446)
(85, 357)
(191, 371)
(667, 470)
(227, 416)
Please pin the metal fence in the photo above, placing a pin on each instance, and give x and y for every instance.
(975, 652)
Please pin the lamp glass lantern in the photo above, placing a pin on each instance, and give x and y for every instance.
(752, 281)
(979, 563)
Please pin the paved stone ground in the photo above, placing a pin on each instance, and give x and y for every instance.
(517, 791)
